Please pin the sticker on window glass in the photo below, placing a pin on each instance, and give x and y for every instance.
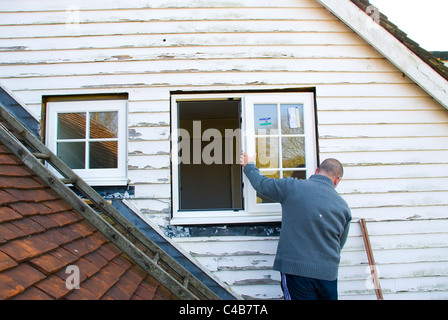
(294, 117)
(265, 121)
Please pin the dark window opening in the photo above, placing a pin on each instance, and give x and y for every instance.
(210, 177)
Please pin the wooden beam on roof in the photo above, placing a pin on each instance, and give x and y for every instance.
(388, 45)
(148, 264)
(162, 267)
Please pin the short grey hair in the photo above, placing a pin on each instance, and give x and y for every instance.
(331, 167)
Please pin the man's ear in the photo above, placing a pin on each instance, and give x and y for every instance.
(336, 181)
(317, 169)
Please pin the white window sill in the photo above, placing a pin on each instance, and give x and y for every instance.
(225, 217)
(107, 182)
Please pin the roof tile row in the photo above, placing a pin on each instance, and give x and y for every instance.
(42, 237)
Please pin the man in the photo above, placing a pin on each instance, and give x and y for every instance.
(315, 224)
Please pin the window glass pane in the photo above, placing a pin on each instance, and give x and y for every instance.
(267, 152)
(72, 153)
(103, 155)
(103, 125)
(265, 119)
(294, 174)
(269, 174)
(293, 152)
(71, 126)
(291, 118)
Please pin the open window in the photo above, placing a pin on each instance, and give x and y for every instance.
(209, 176)
(209, 132)
(90, 137)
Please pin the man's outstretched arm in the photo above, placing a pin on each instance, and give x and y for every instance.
(275, 189)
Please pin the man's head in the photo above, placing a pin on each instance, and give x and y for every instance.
(331, 168)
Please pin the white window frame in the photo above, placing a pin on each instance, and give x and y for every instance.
(94, 177)
(253, 212)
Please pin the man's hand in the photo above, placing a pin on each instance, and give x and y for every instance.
(245, 159)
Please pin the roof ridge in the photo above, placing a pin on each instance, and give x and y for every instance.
(402, 36)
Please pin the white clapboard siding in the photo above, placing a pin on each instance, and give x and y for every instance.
(171, 27)
(174, 40)
(51, 5)
(403, 252)
(244, 263)
(179, 66)
(391, 136)
(168, 15)
(41, 54)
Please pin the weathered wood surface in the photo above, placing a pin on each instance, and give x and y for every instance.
(388, 132)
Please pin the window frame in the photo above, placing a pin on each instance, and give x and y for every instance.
(307, 99)
(252, 212)
(94, 177)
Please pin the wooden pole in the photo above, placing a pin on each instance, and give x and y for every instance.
(372, 265)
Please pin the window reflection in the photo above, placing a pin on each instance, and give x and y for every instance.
(101, 142)
(279, 142)
(293, 152)
(267, 150)
(72, 153)
(294, 174)
(103, 155)
(103, 125)
(71, 125)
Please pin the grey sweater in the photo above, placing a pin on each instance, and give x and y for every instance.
(315, 223)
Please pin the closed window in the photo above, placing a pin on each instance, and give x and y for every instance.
(90, 137)
(281, 131)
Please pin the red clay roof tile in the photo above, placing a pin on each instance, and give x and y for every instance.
(97, 286)
(147, 288)
(18, 250)
(14, 171)
(8, 214)
(9, 231)
(63, 255)
(32, 293)
(28, 226)
(122, 262)
(53, 286)
(8, 159)
(64, 218)
(162, 294)
(6, 198)
(82, 294)
(32, 195)
(41, 234)
(44, 221)
(77, 247)
(47, 263)
(87, 268)
(61, 236)
(108, 251)
(122, 290)
(84, 229)
(144, 292)
(22, 183)
(9, 287)
(29, 208)
(25, 275)
(27, 248)
(58, 205)
(6, 262)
